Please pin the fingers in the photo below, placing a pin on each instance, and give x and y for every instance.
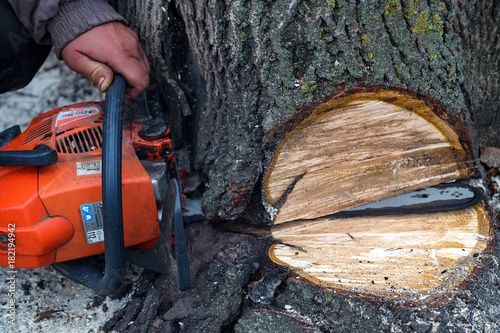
(108, 48)
(99, 73)
(137, 81)
(136, 74)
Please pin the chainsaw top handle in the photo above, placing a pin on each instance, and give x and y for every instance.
(86, 273)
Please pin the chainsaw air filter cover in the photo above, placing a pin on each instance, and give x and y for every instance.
(52, 213)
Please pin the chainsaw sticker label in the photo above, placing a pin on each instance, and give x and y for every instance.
(89, 168)
(92, 222)
(75, 114)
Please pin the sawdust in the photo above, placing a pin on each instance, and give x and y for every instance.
(47, 302)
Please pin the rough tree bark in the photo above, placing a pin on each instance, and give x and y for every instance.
(226, 72)
(229, 71)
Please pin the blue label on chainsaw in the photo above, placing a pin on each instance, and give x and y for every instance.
(92, 222)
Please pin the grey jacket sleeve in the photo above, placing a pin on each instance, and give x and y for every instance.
(59, 21)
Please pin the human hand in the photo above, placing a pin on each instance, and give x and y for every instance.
(108, 48)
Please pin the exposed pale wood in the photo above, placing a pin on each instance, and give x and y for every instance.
(413, 257)
(361, 148)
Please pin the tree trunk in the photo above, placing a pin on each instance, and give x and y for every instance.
(228, 74)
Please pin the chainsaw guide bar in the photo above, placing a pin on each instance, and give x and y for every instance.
(441, 197)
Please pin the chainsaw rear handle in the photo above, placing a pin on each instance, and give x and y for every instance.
(40, 156)
(86, 273)
(36, 157)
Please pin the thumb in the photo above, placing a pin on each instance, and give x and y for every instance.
(100, 74)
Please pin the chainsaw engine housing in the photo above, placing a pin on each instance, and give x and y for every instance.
(55, 210)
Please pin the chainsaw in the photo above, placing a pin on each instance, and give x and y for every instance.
(79, 183)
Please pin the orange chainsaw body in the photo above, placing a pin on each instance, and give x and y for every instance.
(47, 207)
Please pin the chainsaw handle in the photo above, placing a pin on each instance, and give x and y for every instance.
(112, 187)
(87, 274)
(37, 157)
(40, 156)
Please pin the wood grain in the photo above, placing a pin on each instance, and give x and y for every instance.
(358, 149)
(411, 257)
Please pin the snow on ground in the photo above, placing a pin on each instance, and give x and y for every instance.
(44, 300)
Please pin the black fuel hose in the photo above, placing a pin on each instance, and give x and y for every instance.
(83, 272)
